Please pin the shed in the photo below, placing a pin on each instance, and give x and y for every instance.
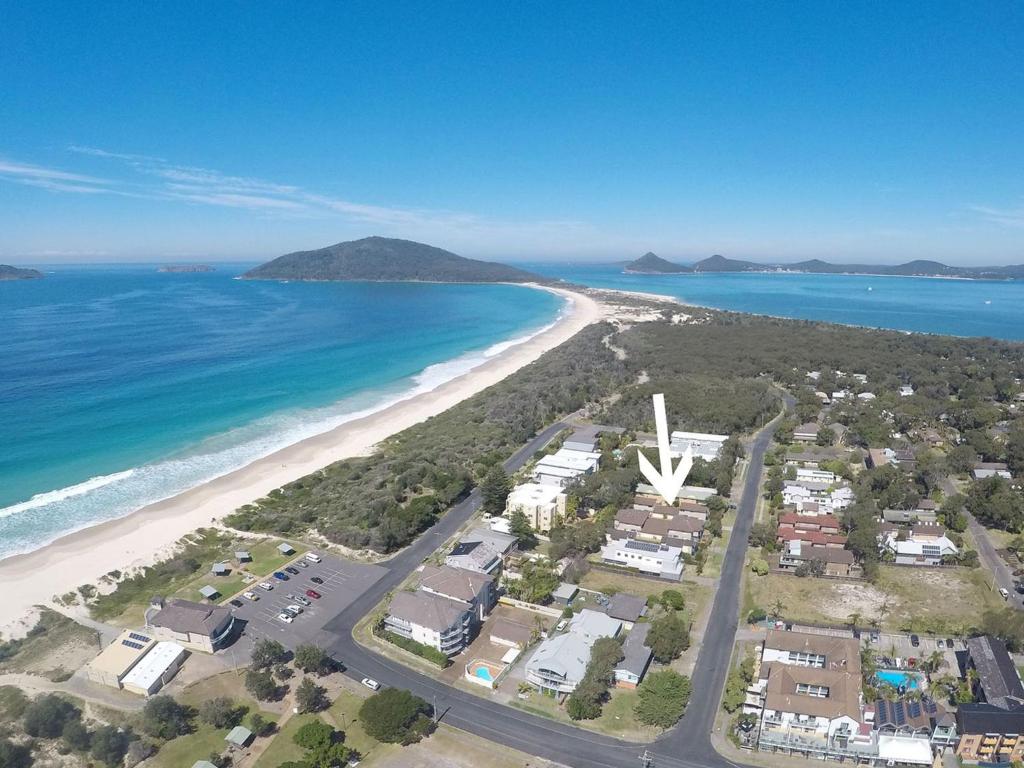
(285, 548)
(565, 593)
(243, 556)
(239, 736)
(220, 569)
(208, 592)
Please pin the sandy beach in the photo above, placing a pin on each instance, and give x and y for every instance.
(145, 535)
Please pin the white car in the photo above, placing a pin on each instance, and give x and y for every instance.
(1005, 594)
(251, 596)
(285, 617)
(266, 585)
(370, 683)
(294, 608)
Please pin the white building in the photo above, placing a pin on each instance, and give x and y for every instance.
(542, 504)
(565, 465)
(662, 560)
(828, 498)
(482, 550)
(155, 669)
(815, 475)
(704, 445)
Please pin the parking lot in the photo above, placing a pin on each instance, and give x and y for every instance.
(342, 583)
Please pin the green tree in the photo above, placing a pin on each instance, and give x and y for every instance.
(585, 701)
(310, 697)
(668, 637)
(266, 653)
(736, 684)
(221, 712)
(519, 526)
(759, 566)
(961, 459)
(495, 489)
(109, 745)
(313, 659)
(165, 718)
(672, 599)
(538, 581)
(259, 725)
(663, 698)
(75, 735)
(14, 755)
(314, 734)
(47, 715)
(396, 716)
(260, 683)
(826, 436)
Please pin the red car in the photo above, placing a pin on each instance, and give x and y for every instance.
(313, 593)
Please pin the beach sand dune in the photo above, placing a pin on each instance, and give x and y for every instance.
(144, 536)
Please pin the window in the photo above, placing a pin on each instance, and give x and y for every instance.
(817, 691)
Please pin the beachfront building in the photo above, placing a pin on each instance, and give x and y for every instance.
(117, 659)
(443, 624)
(196, 626)
(704, 445)
(565, 465)
(558, 664)
(473, 589)
(155, 669)
(543, 504)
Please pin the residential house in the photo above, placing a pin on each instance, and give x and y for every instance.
(807, 474)
(985, 469)
(482, 550)
(922, 544)
(876, 458)
(806, 433)
(907, 516)
(816, 538)
(196, 626)
(636, 658)
(586, 438)
(704, 445)
(543, 505)
(804, 522)
(664, 560)
(626, 608)
(558, 664)
(836, 560)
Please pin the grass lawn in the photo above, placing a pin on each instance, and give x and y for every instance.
(617, 718)
(226, 684)
(282, 749)
(186, 750)
(1000, 539)
(696, 595)
(226, 585)
(344, 715)
(265, 557)
(898, 600)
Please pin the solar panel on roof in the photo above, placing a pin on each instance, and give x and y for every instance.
(642, 545)
(133, 644)
(137, 636)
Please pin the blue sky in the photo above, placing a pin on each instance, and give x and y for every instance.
(873, 131)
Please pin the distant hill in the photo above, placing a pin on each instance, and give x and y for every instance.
(651, 264)
(387, 259)
(918, 268)
(7, 272)
(186, 268)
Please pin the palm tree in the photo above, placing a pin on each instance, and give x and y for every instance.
(854, 619)
(936, 660)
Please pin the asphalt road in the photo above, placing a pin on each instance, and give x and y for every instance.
(688, 745)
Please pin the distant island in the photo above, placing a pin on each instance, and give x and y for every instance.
(7, 272)
(384, 259)
(655, 265)
(178, 268)
(652, 264)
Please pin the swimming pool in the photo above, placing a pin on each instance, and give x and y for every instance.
(484, 673)
(898, 679)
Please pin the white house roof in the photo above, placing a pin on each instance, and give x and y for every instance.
(153, 665)
(533, 493)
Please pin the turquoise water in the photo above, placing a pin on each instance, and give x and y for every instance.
(120, 386)
(909, 680)
(960, 307)
(484, 674)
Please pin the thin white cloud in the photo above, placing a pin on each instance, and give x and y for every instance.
(24, 171)
(234, 200)
(1007, 217)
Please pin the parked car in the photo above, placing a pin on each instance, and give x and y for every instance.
(370, 683)
(316, 580)
(294, 608)
(287, 618)
(302, 564)
(281, 575)
(876, 637)
(313, 593)
(313, 557)
(236, 602)
(292, 571)
(915, 641)
(266, 585)
(1004, 593)
(301, 600)
(940, 644)
(251, 596)
(949, 643)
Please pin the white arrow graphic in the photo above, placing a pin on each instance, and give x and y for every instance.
(668, 481)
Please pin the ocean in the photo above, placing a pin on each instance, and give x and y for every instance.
(121, 386)
(959, 307)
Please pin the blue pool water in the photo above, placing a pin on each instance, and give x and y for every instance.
(120, 386)
(484, 674)
(908, 680)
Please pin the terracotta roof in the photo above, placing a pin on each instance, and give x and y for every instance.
(459, 583)
(786, 533)
(822, 521)
(842, 654)
(635, 517)
(781, 692)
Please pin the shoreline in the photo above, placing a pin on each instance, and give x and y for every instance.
(146, 534)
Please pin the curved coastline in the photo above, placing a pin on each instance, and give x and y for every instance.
(143, 536)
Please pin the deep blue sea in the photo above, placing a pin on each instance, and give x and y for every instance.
(120, 386)
(959, 307)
